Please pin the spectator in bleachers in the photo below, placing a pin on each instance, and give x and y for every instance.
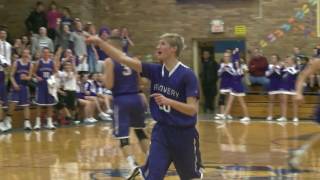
(36, 19)
(26, 42)
(66, 18)
(104, 33)
(298, 55)
(52, 16)
(80, 47)
(5, 49)
(209, 78)
(115, 32)
(91, 50)
(41, 41)
(64, 37)
(258, 66)
(126, 40)
(17, 49)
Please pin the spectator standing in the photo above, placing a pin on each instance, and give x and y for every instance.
(209, 78)
(42, 41)
(52, 16)
(36, 19)
(80, 47)
(64, 38)
(104, 33)
(26, 42)
(66, 18)
(126, 40)
(91, 50)
(258, 65)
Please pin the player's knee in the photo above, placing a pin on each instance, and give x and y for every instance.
(124, 142)
(141, 134)
(222, 99)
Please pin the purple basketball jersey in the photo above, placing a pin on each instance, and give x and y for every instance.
(178, 84)
(22, 69)
(45, 69)
(125, 81)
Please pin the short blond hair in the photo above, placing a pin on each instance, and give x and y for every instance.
(174, 40)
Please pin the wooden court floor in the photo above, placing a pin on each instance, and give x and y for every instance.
(229, 151)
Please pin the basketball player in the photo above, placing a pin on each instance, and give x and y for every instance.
(173, 104)
(128, 105)
(21, 74)
(296, 155)
(44, 68)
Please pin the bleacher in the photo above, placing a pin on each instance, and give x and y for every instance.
(257, 103)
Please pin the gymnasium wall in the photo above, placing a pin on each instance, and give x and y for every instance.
(285, 23)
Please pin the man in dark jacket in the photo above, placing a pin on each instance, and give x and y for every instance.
(209, 78)
(36, 19)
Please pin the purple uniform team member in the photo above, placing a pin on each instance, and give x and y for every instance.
(173, 104)
(128, 105)
(225, 73)
(289, 75)
(297, 155)
(21, 74)
(237, 90)
(274, 87)
(44, 68)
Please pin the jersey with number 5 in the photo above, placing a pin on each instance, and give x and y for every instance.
(125, 80)
(178, 84)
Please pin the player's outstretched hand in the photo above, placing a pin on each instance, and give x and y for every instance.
(91, 39)
(160, 99)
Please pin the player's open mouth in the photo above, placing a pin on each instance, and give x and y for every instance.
(159, 52)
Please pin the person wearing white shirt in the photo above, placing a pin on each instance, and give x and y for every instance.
(67, 91)
(5, 61)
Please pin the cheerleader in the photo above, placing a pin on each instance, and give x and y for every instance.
(274, 88)
(289, 76)
(238, 90)
(225, 72)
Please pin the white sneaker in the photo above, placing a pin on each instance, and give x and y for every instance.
(109, 111)
(281, 119)
(217, 116)
(50, 125)
(7, 122)
(104, 116)
(220, 117)
(245, 119)
(27, 126)
(90, 120)
(295, 157)
(37, 126)
(134, 168)
(229, 117)
(295, 119)
(269, 118)
(3, 127)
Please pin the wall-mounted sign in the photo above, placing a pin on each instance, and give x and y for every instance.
(240, 30)
(217, 26)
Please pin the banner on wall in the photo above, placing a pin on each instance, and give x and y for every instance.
(304, 21)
